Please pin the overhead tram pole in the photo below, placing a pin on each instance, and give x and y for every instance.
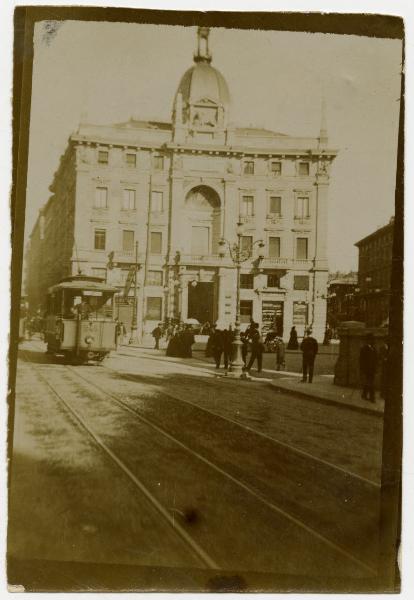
(134, 324)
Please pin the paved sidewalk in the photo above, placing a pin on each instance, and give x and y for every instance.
(323, 389)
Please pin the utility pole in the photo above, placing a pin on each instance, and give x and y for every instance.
(134, 327)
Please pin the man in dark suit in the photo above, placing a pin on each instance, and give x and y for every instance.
(368, 360)
(157, 335)
(309, 347)
(257, 346)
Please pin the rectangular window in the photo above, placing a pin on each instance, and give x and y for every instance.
(131, 159)
(101, 197)
(128, 240)
(158, 162)
(154, 278)
(302, 207)
(246, 281)
(128, 200)
(275, 205)
(274, 247)
(154, 306)
(302, 248)
(303, 168)
(273, 280)
(246, 209)
(301, 282)
(156, 242)
(246, 310)
(100, 239)
(200, 241)
(156, 201)
(99, 272)
(276, 167)
(247, 243)
(248, 167)
(103, 157)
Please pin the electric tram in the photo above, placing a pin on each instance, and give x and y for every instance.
(79, 319)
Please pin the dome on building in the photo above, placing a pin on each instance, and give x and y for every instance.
(203, 82)
(202, 100)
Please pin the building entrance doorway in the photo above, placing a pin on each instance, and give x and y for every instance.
(201, 302)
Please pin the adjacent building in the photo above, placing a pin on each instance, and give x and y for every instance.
(374, 275)
(174, 193)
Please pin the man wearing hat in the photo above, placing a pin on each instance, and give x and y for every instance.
(309, 347)
(368, 360)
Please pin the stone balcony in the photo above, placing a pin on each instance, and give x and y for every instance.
(285, 263)
(127, 257)
(203, 259)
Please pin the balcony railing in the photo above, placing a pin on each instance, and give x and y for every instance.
(246, 218)
(286, 263)
(200, 259)
(127, 256)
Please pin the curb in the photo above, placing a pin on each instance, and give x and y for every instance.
(329, 401)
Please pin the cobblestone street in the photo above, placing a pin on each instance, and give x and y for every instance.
(155, 462)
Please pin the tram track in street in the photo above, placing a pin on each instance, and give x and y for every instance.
(289, 447)
(247, 488)
(199, 552)
(257, 495)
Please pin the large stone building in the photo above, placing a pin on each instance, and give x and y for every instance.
(374, 275)
(178, 189)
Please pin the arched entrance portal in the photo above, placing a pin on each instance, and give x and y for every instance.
(203, 212)
(203, 209)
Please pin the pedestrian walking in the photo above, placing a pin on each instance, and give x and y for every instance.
(293, 343)
(216, 343)
(328, 336)
(157, 335)
(228, 338)
(174, 347)
(169, 332)
(245, 347)
(383, 356)
(257, 346)
(187, 340)
(368, 362)
(209, 346)
(117, 333)
(309, 347)
(279, 346)
(206, 328)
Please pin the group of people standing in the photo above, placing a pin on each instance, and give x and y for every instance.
(180, 339)
(220, 347)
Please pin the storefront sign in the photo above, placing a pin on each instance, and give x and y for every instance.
(300, 313)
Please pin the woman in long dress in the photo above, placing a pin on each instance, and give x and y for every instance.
(293, 339)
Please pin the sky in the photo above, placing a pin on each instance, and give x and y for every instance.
(108, 72)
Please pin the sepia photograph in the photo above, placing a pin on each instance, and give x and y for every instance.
(206, 312)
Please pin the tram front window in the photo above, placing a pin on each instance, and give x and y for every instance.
(89, 306)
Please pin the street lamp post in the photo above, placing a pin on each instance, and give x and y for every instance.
(238, 256)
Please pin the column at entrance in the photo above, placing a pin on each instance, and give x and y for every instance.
(226, 296)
